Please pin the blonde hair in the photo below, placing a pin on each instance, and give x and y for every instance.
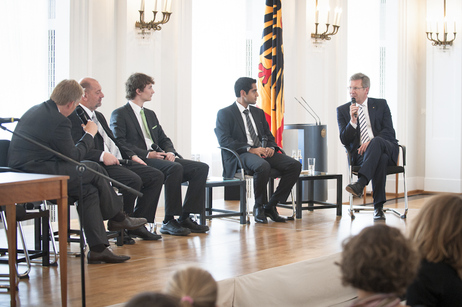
(67, 91)
(194, 287)
(437, 230)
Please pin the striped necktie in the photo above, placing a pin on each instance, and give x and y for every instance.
(363, 125)
(109, 144)
(253, 135)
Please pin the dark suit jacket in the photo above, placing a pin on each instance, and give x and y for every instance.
(128, 132)
(95, 153)
(44, 123)
(382, 125)
(230, 131)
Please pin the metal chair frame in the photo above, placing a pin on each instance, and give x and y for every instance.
(397, 169)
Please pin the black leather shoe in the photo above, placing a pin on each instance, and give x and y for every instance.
(259, 214)
(143, 233)
(172, 227)
(379, 215)
(106, 256)
(193, 226)
(128, 223)
(272, 213)
(355, 188)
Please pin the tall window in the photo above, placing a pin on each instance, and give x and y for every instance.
(372, 46)
(23, 57)
(220, 55)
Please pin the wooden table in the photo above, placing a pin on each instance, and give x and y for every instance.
(22, 188)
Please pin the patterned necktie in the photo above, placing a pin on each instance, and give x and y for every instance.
(145, 123)
(363, 126)
(109, 144)
(253, 135)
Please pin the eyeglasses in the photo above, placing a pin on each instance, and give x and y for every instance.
(354, 88)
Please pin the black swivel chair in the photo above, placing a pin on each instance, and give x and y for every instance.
(395, 169)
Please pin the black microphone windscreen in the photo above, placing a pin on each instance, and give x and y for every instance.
(264, 141)
(353, 100)
(8, 120)
(82, 115)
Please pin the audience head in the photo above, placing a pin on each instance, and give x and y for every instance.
(67, 91)
(379, 260)
(137, 81)
(194, 287)
(153, 299)
(366, 82)
(93, 94)
(437, 230)
(245, 84)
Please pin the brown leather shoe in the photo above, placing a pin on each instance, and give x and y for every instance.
(106, 256)
(128, 223)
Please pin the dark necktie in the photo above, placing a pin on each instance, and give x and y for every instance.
(253, 135)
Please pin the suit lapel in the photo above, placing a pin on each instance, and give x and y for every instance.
(238, 119)
(150, 120)
(134, 120)
(372, 109)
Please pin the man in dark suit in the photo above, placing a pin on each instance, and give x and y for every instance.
(133, 171)
(138, 128)
(234, 131)
(366, 130)
(47, 123)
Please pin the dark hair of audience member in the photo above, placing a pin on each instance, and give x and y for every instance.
(136, 81)
(437, 230)
(379, 260)
(194, 287)
(153, 299)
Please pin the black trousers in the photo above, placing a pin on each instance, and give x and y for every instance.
(175, 173)
(145, 179)
(100, 202)
(374, 164)
(289, 168)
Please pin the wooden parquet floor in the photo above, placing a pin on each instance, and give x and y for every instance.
(228, 250)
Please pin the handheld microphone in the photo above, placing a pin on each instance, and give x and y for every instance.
(156, 147)
(82, 115)
(125, 162)
(5, 120)
(353, 102)
(264, 141)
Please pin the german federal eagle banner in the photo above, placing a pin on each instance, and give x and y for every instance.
(271, 69)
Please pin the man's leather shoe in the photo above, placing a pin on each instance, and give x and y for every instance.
(129, 223)
(272, 213)
(193, 226)
(106, 256)
(143, 233)
(379, 215)
(355, 188)
(172, 227)
(259, 214)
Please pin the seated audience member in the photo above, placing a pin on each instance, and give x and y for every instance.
(380, 263)
(153, 299)
(194, 287)
(138, 128)
(437, 234)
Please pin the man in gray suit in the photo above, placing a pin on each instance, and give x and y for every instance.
(47, 123)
